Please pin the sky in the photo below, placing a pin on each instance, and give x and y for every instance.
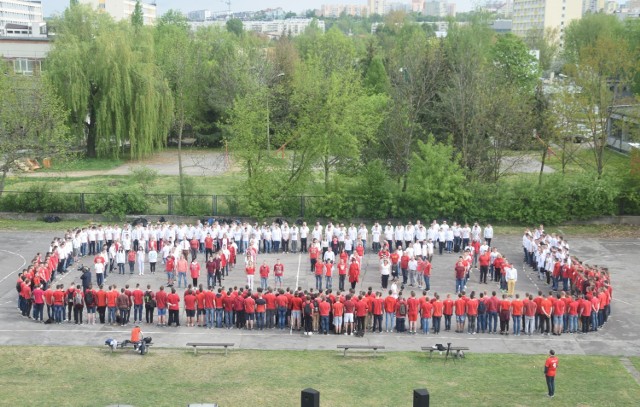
(51, 7)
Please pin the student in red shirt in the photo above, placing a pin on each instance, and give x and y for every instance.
(338, 310)
(530, 310)
(161, 305)
(559, 309)
(426, 313)
(250, 271)
(438, 308)
(264, 275)
(249, 311)
(413, 306)
(550, 367)
(472, 313)
(261, 310)
(361, 310)
(516, 314)
(377, 307)
(354, 273)
(189, 307)
(505, 315)
(138, 301)
(401, 313)
(342, 273)
(324, 309)
(389, 312)
(173, 303)
(447, 311)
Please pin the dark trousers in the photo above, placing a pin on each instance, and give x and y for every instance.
(148, 313)
(377, 321)
(101, 311)
(484, 270)
(385, 281)
(341, 282)
(447, 322)
(308, 323)
(174, 317)
(435, 321)
(77, 314)
(551, 384)
(585, 323)
(360, 325)
(545, 324)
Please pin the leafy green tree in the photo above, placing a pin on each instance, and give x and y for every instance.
(32, 122)
(137, 17)
(176, 58)
(235, 26)
(514, 62)
(376, 79)
(437, 180)
(601, 66)
(107, 78)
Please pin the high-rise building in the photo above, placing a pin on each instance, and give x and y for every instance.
(199, 15)
(593, 6)
(376, 7)
(334, 10)
(21, 17)
(123, 9)
(545, 14)
(417, 6)
(435, 8)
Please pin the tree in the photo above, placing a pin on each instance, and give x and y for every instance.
(32, 122)
(437, 180)
(137, 17)
(601, 67)
(514, 62)
(235, 26)
(107, 78)
(376, 79)
(176, 57)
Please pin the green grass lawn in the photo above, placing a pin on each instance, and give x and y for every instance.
(636, 362)
(73, 376)
(584, 159)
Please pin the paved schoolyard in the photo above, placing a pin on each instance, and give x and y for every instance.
(619, 337)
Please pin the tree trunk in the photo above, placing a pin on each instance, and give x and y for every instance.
(5, 170)
(92, 131)
(326, 174)
(544, 157)
(180, 169)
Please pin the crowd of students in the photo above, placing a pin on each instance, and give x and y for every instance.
(582, 305)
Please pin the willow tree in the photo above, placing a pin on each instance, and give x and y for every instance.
(107, 78)
(32, 121)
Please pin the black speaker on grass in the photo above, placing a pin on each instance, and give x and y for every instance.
(420, 398)
(310, 398)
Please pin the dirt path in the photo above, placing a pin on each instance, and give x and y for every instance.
(196, 163)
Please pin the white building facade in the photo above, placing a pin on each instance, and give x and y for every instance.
(123, 9)
(545, 14)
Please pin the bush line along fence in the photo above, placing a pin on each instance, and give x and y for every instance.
(480, 207)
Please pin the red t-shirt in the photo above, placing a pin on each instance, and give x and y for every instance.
(461, 306)
(426, 309)
(174, 300)
(338, 309)
(249, 305)
(161, 299)
(516, 307)
(551, 365)
(472, 307)
(437, 308)
(389, 305)
(324, 308)
(361, 308)
(190, 302)
(138, 296)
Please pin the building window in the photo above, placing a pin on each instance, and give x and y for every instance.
(25, 66)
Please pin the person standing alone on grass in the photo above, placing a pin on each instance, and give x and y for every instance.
(550, 367)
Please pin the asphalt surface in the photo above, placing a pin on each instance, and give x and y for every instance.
(620, 336)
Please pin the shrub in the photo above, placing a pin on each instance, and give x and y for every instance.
(115, 206)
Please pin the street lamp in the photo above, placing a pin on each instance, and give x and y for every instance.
(280, 75)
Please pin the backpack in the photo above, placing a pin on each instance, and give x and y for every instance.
(308, 310)
(147, 298)
(403, 308)
(482, 307)
(88, 298)
(77, 298)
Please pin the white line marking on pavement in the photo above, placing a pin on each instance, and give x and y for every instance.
(16, 270)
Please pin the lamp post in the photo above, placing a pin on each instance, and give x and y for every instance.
(280, 75)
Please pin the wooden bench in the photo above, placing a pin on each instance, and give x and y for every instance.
(366, 347)
(125, 345)
(455, 351)
(195, 346)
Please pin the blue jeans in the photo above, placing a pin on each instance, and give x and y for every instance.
(329, 282)
(324, 324)
(219, 313)
(112, 315)
(459, 284)
(211, 280)
(263, 282)
(209, 317)
(282, 317)
(319, 283)
(260, 320)
(573, 323)
(137, 312)
(58, 312)
(389, 321)
(449, 245)
(267, 246)
(38, 311)
(425, 325)
(83, 249)
(482, 323)
(427, 284)
(228, 318)
(99, 279)
(182, 277)
(516, 324)
(276, 246)
(120, 268)
(594, 320)
(493, 320)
